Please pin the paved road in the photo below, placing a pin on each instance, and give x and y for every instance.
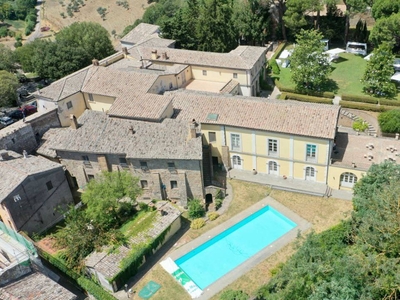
(36, 33)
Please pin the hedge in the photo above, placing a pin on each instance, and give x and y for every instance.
(278, 51)
(389, 102)
(306, 98)
(310, 93)
(92, 288)
(362, 106)
(355, 98)
(274, 66)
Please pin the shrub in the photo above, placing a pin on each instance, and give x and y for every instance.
(195, 209)
(362, 106)
(364, 99)
(143, 206)
(94, 289)
(389, 102)
(234, 295)
(212, 216)
(282, 96)
(274, 66)
(306, 98)
(360, 125)
(282, 88)
(218, 203)
(390, 121)
(278, 51)
(197, 223)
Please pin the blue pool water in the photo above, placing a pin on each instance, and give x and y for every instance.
(230, 248)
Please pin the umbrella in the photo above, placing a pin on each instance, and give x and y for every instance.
(335, 51)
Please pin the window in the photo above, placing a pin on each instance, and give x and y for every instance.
(212, 137)
(311, 152)
(17, 198)
(144, 184)
(272, 147)
(91, 97)
(204, 72)
(69, 104)
(49, 185)
(235, 142)
(86, 161)
(171, 165)
(90, 177)
(234, 75)
(310, 173)
(273, 168)
(143, 165)
(237, 162)
(123, 163)
(348, 179)
(174, 184)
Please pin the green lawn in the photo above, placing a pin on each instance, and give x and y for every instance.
(347, 73)
(142, 221)
(16, 24)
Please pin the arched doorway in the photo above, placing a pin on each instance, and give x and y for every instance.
(310, 174)
(237, 162)
(348, 180)
(273, 168)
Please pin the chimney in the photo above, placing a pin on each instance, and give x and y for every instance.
(125, 51)
(25, 154)
(397, 136)
(192, 131)
(74, 122)
(154, 54)
(4, 155)
(164, 55)
(131, 131)
(95, 62)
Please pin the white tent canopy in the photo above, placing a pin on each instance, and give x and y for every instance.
(396, 77)
(335, 51)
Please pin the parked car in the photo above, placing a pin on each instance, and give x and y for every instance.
(16, 114)
(5, 121)
(29, 109)
(356, 48)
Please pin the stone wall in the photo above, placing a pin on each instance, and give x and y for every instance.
(26, 135)
(157, 177)
(36, 203)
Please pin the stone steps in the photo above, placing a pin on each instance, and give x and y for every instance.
(371, 129)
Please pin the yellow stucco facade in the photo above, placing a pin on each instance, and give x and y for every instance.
(272, 153)
(99, 102)
(342, 178)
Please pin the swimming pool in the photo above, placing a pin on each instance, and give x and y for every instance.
(221, 254)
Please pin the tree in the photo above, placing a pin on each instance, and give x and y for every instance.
(385, 8)
(110, 198)
(102, 12)
(251, 19)
(7, 59)
(8, 89)
(389, 121)
(378, 72)
(215, 27)
(195, 209)
(91, 37)
(352, 7)
(386, 30)
(309, 66)
(294, 16)
(234, 295)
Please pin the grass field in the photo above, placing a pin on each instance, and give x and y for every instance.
(322, 213)
(347, 73)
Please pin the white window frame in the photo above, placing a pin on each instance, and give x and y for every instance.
(236, 142)
(311, 157)
(239, 165)
(272, 171)
(314, 173)
(271, 152)
(348, 179)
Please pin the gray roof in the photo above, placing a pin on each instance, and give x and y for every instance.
(35, 286)
(99, 133)
(108, 264)
(140, 33)
(243, 57)
(16, 169)
(291, 117)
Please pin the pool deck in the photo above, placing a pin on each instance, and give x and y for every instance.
(211, 290)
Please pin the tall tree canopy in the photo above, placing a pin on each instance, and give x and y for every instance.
(358, 259)
(309, 66)
(8, 88)
(378, 72)
(386, 30)
(385, 8)
(7, 59)
(352, 7)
